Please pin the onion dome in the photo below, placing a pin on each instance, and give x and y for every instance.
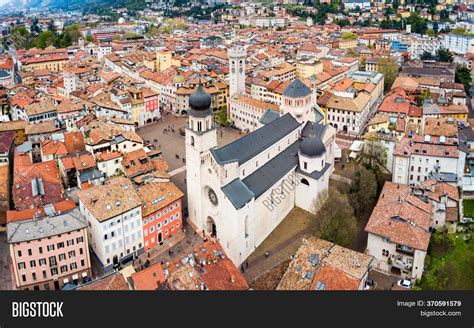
(200, 100)
(312, 147)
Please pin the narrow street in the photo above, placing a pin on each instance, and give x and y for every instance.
(6, 282)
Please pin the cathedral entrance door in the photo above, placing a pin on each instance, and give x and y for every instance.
(211, 227)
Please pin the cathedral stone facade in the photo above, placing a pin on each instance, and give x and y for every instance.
(240, 192)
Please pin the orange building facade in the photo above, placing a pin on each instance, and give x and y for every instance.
(162, 212)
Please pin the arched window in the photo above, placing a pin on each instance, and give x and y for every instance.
(246, 226)
(192, 141)
(305, 182)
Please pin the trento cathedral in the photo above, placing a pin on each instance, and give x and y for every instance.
(240, 192)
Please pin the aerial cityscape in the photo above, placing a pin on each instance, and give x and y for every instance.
(229, 145)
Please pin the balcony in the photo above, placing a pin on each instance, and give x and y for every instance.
(402, 265)
(405, 250)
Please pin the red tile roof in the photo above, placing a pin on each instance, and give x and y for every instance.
(401, 217)
(74, 142)
(149, 278)
(22, 185)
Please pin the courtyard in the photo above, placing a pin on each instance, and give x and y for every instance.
(166, 137)
(280, 244)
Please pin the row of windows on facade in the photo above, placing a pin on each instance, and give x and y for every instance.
(115, 162)
(348, 120)
(244, 120)
(54, 271)
(41, 117)
(125, 218)
(166, 232)
(128, 252)
(419, 169)
(158, 214)
(132, 236)
(51, 247)
(158, 226)
(52, 260)
(418, 178)
(243, 112)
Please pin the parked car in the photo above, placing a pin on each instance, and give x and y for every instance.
(404, 283)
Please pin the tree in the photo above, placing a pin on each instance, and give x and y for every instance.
(463, 75)
(363, 190)
(45, 39)
(342, 22)
(374, 155)
(389, 69)
(426, 56)
(349, 36)
(74, 32)
(418, 24)
(19, 37)
(430, 32)
(221, 116)
(334, 218)
(443, 55)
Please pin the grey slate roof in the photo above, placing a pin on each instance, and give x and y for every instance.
(266, 176)
(269, 116)
(296, 89)
(466, 135)
(318, 116)
(313, 129)
(120, 138)
(430, 108)
(25, 147)
(90, 174)
(238, 193)
(26, 230)
(312, 147)
(315, 174)
(254, 143)
(4, 74)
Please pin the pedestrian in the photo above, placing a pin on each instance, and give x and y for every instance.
(266, 253)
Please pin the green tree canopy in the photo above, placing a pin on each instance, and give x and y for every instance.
(363, 190)
(443, 55)
(463, 75)
(389, 69)
(334, 219)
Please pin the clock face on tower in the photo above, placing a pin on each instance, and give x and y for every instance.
(212, 197)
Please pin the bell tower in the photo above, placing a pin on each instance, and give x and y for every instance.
(201, 136)
(237, 55)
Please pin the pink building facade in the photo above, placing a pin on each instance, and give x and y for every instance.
(49, 252)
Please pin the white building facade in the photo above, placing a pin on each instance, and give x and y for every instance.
(114, 215)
